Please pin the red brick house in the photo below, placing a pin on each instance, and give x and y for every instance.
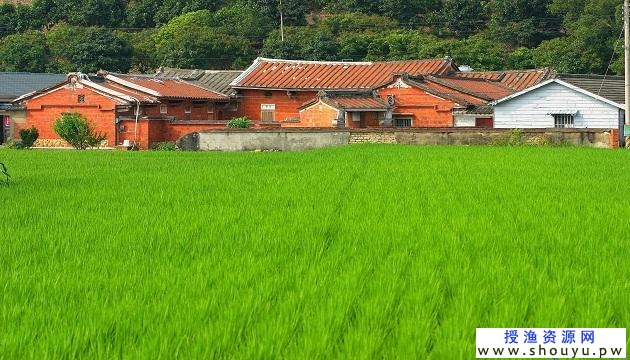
(414, 93)
(130, 109)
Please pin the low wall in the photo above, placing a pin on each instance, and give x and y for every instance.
(277, 139)
(304, 139)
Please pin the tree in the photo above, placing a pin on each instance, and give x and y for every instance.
(76, 130)
(189, 41)
(87, 49)
(357, 22)
(242, 19)
(170, 9)
(480, 53)
(141, 14)
(24, 52)
(462, 18)
(302, 43)
(143, 57)
(567, 55)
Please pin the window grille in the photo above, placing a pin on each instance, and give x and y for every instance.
(268, 112)
(402, 122)
(561, 121)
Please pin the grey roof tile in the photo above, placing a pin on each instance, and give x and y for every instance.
(16, 84)
(214, 80)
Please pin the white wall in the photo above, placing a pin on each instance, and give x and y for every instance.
(463, 120)
(533, 109)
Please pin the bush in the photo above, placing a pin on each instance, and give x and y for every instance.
(513, 138)
(12, 144)
(29, 136)
(239, 123)
(76, 130)
(164, 146)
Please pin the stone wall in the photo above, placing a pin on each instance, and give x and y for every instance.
(303, 139)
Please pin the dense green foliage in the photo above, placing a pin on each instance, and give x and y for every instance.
(239, 123)
(355, 252)
(140, 35)
(78, 131)
(29, 136)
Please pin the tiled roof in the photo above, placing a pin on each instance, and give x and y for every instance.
(214, 80)
(350, 101)
(479, 87)
(610, 87)
(322, 75)
(515, 79)
(164, 88)
(138, 95)
(15, 84)
(359, 102)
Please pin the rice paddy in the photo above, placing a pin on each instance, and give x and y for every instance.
(367, 251)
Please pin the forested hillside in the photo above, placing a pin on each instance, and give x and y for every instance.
(577, 36)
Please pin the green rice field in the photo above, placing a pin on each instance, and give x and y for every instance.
(356, 252)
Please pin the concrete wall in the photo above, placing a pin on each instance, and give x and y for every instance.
(247, 140)
(303, 139)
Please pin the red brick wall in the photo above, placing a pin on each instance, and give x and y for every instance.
(318, 115)
(424, 109)
(368, 119)
(286, 107)
(44, 110)
(614, 138)
(198, 112)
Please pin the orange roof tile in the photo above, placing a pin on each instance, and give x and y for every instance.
(323, 75)
(515, 79)
(479, 88)
(359, 102)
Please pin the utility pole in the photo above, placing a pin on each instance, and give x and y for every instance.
(626, 26)
(282, 23)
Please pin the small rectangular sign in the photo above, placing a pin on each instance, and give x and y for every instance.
(551, 343)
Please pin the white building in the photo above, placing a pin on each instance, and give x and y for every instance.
(557, 104)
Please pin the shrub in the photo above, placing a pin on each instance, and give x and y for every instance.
(513, 138)
(164, 146)
(239, 123)
(12, 144)
(29, 136)
(76, 130)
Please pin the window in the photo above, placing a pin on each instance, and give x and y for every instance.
(402, 122)
(356, 116)
(163, 108)
(211, 108)
(81, 98)
(188, 109)
(561, 121)
(268, 112)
